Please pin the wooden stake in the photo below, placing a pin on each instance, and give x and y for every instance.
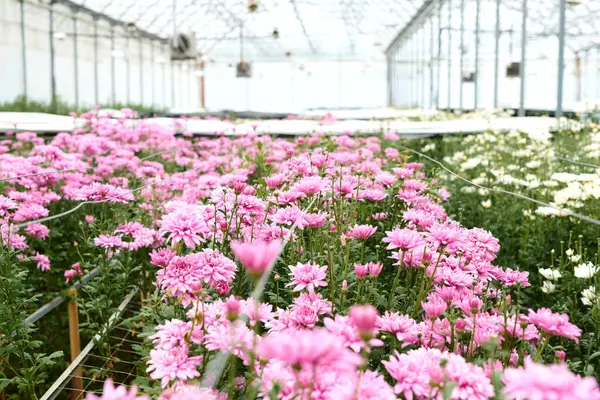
(75, 343)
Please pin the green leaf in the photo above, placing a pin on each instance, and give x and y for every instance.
(498, 386)
(448, 390)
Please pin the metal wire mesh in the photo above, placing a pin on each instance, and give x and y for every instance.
(117, 362)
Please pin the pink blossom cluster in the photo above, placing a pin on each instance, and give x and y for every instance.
(358, 255)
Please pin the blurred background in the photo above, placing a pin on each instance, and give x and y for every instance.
(290, 55)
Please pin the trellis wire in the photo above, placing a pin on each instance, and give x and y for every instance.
(50, 393)
(217, 365)
(521, 196)
(72, 210)
(577, 162)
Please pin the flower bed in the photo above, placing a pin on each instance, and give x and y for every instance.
(320, 267)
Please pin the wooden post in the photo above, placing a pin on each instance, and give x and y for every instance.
(75, 343)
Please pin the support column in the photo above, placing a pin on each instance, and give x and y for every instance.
(522, 66)
(127, 71)
(561, 58)
(75, 59)
(449, 83)
(462, 51)
(141, 71)
(431, 61)
(112, 66)
(52, 59)
(423, 47)
(497, 54)
(477, 40)
(23, 48)
(96, 87)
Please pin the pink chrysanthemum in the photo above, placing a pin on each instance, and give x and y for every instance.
(168, 365)
(256, 256)
(110, 392)
(308, 276)
(555, 324)
(551, 382)
(404, 239)
(362, 232)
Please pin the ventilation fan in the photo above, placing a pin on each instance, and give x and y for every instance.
(243, 69)
(183, 47)
(468, 76)
(513, 70)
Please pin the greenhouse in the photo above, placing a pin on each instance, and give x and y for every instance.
(299, 199)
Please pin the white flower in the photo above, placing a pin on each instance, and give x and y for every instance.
(487, 203)
(569, 252)
(550, 274)
(588, 296)
(585, 271)
(576, 258)
(548, 287)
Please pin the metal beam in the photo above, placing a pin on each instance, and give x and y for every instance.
(112, 21)
(497, 54)
(310, 43)
(75, 59)
(522, 65)
(449, 77)
(561, 58)
(462, 52)
(23, 48)
(477, 41)
(417, 20)
(52, 59)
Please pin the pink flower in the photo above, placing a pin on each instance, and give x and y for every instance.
(361, 270)
(110, 392)
(168, 365)
(434, 307)
(70, 274)
(189, 392)
(307, 276)
(6, 204)
(173, 334)
(43, 262)
(162, 257)
(309, 349)
(362, 232)
(364, 318)
(555, 324)
(108, 241)
(89, 219)
(374, 268)
(257, 256)
(541, 382)
(404, 239)
(37, 231)
(418, 373)
(184, 227)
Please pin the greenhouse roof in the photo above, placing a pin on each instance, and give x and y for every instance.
(330, 29)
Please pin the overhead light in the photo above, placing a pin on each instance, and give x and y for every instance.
(130, 27)
(275, 34)
(117, 53)
(59, 35)
(252, 5)
(199, 73)
(184, 67)
(574, 2)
